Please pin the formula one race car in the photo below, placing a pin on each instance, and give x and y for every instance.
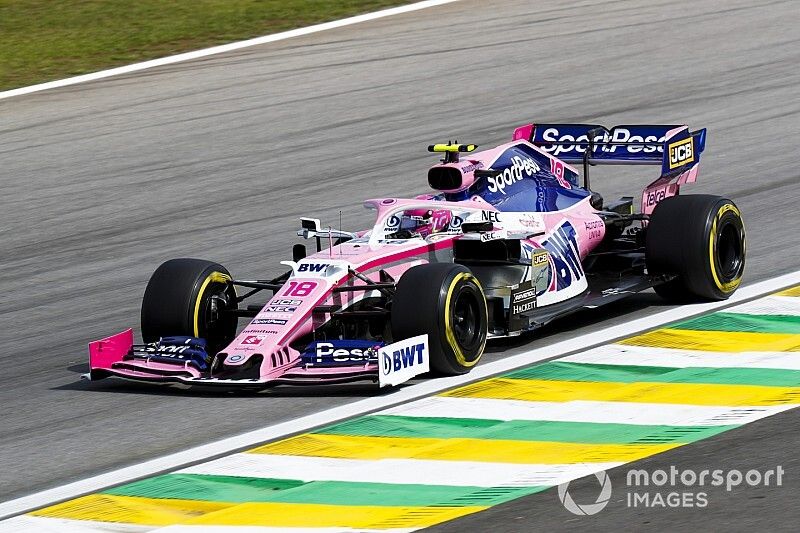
(509, 242)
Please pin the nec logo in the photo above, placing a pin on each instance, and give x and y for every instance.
(403, 358)
(681, 153)
(280, 309)
(312, 267)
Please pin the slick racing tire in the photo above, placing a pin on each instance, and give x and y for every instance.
(447, 302)
(701, 239)
(188, 297)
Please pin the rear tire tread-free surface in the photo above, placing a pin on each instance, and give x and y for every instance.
(701, 239)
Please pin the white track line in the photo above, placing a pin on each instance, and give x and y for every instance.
(648, 414)
(623, 354)
(36, 524)
(771, 305)
(402, 471)
(367, 405)
(225, 48)
(39, 524)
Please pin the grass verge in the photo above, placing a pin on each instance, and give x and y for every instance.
(43, 40)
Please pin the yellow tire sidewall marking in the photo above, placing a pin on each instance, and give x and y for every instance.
(730, 286)
(451, 338)
(214, 277)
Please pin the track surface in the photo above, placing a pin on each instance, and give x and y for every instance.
(218, 158)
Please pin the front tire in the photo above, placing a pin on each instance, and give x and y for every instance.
(446, 302)
(701, 239)
(188, 297)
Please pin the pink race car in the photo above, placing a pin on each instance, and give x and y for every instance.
(509, 242)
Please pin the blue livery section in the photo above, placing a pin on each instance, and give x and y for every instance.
(178, 350)
(683, 151)
(563, 248)
(341, 353)
(524, 182)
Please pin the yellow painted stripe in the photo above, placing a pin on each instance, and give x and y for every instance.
(794, 291)
(674, 393)
(165, 512)
(459, 449)
(316, 515)
(131, 510)
(717, 341)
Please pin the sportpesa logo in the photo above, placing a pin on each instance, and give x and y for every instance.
(326, 351)
(513, 173)
(616, 135)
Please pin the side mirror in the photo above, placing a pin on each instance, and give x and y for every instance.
(311, 224)
(298, 252)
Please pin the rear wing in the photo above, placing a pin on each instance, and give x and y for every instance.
(673, 147)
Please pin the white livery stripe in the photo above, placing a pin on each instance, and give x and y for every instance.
(770, 305)
(398, 471)
(586, 411)
(618, 354)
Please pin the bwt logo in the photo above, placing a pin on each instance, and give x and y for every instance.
(312, 267)
(563, 248)
(403, 358)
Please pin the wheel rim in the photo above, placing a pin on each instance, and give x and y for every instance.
(214, 325)
(466, 319)
(729, 257)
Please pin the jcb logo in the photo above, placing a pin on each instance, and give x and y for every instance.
(539, 258)
(681, 153)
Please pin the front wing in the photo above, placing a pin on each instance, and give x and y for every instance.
(396, 363)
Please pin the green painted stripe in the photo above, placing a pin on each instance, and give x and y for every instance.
(207, 488)
(248, 489)
(566, 371)
(523, 430)
(742, 322)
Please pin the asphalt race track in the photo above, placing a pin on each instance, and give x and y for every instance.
(218, 158)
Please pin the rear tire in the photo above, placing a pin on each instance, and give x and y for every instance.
(187, 297)
(701, 239)
(446, 302)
